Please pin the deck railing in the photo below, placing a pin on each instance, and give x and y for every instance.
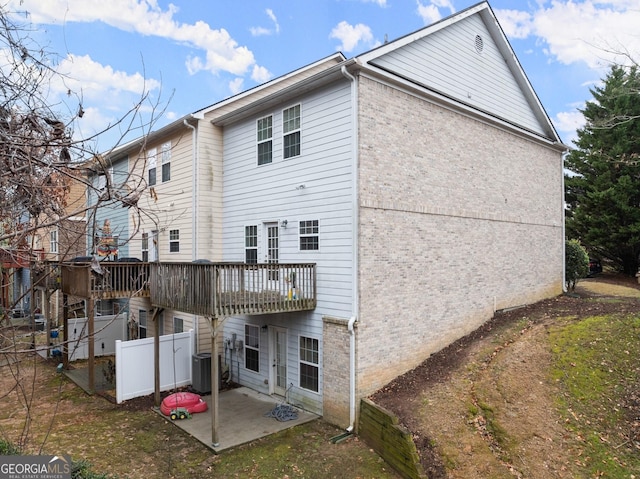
(108, 280)
(207, 289)
(226, 289)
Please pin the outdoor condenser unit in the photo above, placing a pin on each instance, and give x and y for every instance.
(201, 370)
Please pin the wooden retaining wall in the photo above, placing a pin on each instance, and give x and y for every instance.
(379, 428)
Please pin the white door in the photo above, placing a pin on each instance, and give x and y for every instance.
(153, 246)
(272, 253)
(278, 359)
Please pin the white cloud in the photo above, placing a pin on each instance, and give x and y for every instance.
(350, 36)
(260, 31)
(260, 74)
(515, 23)
(236, 85)
(83, 75)
(430, 12)
(382, 3)
(592, 32)
(221, 51)
(569, 121)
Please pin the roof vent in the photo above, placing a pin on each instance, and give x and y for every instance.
(479, 44)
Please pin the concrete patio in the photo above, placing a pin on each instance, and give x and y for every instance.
(241, 417)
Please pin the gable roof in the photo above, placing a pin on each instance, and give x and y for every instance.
(467, 59)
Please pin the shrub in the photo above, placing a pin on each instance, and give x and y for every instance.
(576, 263)
(8, 449)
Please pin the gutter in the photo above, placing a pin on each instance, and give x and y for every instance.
(354, 259)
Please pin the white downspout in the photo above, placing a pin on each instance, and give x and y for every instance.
(354, 259)
(564, 233)
(194, 188)
(194, 205)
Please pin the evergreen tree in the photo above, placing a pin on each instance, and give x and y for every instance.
(603, 188)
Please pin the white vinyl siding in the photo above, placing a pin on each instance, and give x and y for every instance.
(317, 186)
(447, 61)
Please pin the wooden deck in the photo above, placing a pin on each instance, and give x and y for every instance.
(206, 289)
(105, 280)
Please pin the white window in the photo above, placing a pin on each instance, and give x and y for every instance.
(265, 142)
(291, 131)
(309, 234)
(174, 241)
(251, 244)
(178, 325)
(145, 247)
(252, 347)
(53, 241)
(309, 360)
(151, 165)
(166, 161)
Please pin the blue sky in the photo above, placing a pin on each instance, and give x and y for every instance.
(189, 54)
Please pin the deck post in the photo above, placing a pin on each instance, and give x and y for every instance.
(91, 343)
(214, 382)
(65, 331)
(156, 356)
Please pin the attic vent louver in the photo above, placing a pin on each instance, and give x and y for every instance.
(479, 44)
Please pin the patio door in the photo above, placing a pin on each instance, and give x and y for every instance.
(272, 253)
(278, 360)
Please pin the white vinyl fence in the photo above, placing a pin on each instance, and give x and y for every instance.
(134, 364)
(107, 330)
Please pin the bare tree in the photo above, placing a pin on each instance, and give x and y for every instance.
(41, 160)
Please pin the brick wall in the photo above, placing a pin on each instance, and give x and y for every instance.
(458, 218)
(335, 367)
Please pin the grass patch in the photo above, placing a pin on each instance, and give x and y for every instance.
(302, 451)
(595, 362)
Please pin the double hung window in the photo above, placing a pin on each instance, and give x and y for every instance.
(265, 140)
(309, 363)
(252, 347)
(291, 131)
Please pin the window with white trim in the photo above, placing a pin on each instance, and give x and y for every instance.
(265, 140)
(178, 325)
(252, 347)
(166, 161)
(53, 241)
(251, 244)
(152, 154)
(309, 235)
(291, 132)
(309, 363)
(145, 247)
(174, 241)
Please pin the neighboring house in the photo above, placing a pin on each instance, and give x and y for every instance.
(62, 241)
(423, 178)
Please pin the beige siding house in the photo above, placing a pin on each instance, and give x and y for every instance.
(422, 179)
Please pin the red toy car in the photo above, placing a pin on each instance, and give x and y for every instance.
(191, 402)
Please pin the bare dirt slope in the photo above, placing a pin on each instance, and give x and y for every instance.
(499, 375)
